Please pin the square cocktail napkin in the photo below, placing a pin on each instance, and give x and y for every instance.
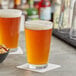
(48, 68)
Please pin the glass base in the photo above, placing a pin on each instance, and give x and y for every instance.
(13, 50)
(17, 50)
(31, 66)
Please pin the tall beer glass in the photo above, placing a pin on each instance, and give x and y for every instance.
(9, 27)
(38, 37)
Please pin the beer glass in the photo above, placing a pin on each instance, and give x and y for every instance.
(9, 27)
(38, 37)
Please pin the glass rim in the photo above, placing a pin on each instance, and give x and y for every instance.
(8, 13)
(42, 25)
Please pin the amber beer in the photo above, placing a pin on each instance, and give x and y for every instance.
(38, 38)
(9, 27)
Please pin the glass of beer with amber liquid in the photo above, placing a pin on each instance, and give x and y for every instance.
(9, 27)
(38, 38)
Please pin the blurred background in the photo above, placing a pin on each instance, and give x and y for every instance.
(32, 9)
(61, 12)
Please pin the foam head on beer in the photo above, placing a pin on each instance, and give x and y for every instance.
(38, 25)
(8, 13)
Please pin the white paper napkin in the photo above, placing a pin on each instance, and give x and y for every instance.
(49, 67)
(18, 51)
